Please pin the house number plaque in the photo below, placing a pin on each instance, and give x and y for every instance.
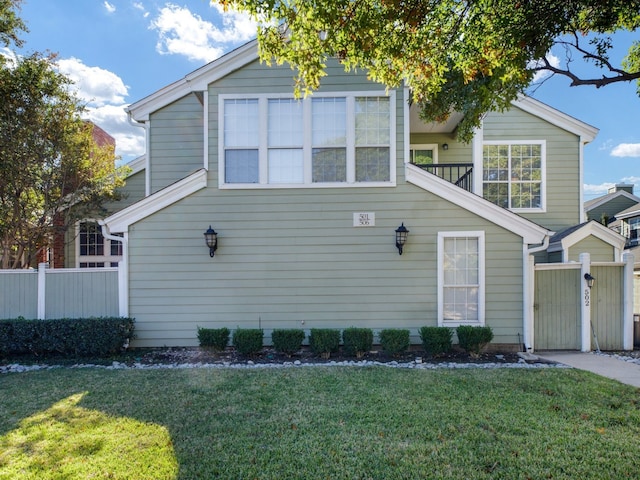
(364, 219)
(587, 297)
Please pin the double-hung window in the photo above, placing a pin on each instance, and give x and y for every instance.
(93, 250)
(460, 278)
(513, 174)
(327, 140)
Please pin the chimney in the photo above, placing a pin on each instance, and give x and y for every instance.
(621, 187)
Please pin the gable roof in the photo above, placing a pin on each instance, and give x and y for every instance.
(563, 240)
(632, 211)
(598, 202)
(531, 232)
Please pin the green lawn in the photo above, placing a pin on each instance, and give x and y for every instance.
(317, 423)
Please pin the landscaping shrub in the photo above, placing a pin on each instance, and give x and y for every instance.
(473, 339)
(324, 341)
(217, 338)
(248, 341)
(287, 341)
(357, 341)
(394, 341)
(94, 336)
(436, 340)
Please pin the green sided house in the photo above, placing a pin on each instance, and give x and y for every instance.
(306, 196)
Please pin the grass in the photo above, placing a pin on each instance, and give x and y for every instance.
(317, 423)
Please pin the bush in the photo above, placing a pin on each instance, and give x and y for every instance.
(436, 340)
(324, 341)
(96, 336)
(248, 341)
(473, 339)
(287, 341)
(357, 341)
(217, 338)
(394, 341)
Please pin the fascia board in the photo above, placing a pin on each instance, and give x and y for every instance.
(196, 81)
(586, 132)
(612, 196)
(597, 230)
(119, 222)
(530, 232)
(628, 214)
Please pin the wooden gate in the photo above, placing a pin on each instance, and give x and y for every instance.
(607, 307)
(557, 324)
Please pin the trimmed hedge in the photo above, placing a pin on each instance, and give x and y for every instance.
(473, 339)
(436, 340)
(248, 341)
(324, 341)
(217, 338)
(394, 341)
(357, 341)
(287, 341)
(94, 336)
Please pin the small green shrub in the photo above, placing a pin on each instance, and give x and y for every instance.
(473, 339)
(436, 340)
(248, 341)
(287, 341)
(357, 341)
(394, 341)
(217, 338)
(96, 336)
(324, 341)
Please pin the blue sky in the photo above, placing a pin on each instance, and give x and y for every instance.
(120, 51)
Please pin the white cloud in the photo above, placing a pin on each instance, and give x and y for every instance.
(94, 84)
(109, 7)
(130, 140)
(182, 32)
(542, 74)
(626, 150)
(596, 190)
(140, 6)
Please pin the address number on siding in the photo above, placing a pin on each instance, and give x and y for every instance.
(364, 219)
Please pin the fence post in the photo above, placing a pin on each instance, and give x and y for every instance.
(42, 287)
(585, 303)
(627, 310)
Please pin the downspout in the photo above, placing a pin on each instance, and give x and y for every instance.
(529, 292)
(147, 159)
(123, 269)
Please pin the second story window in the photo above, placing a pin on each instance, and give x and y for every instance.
(327, 140)
(513, 174)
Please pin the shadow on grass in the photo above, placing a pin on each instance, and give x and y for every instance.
(68, 441)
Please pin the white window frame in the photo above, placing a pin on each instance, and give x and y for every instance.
(307, 142)
(424, 146)
(543, 172)
(480, 236)
(107, 259)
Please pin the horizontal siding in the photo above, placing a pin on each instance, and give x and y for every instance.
(610, 208)
(176, 141)
(562, 166)
(599, 250)
(19, 294)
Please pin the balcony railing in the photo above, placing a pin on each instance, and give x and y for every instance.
(460, 174)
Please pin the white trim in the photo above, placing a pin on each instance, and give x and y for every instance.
(406, 134)
(479, 235)
(42, 285)
(105, 258)
(530, 232)
(586, 132)
(120, 221)
(477, 158)
(147, 157)
(594, 229)
(611, 196)
(196, 81)
(585, 303)
(205, 130)
(350, 97)
(509, 182)
(136, 165)
(629, 213)
(627, 322)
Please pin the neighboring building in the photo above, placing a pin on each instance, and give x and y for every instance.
(306, 195)
(605, 209)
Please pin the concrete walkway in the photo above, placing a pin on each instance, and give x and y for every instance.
(624, 372)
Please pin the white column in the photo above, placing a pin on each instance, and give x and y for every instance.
(627, 311)
(585, 303)
(529, 299)
(42, 287)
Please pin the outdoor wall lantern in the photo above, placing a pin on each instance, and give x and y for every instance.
(401, 237)
(445, 146)
(211, 237)
(590, 280)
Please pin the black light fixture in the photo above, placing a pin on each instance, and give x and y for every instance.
(590, 280)
(211, 237)
(445, 146)
(401, 237)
